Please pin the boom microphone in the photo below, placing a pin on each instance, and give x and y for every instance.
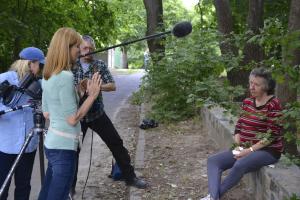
(180, 29)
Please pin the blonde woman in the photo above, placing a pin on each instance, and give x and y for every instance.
(15, 126)
(60, 105)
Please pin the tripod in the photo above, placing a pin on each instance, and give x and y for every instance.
(39, 128)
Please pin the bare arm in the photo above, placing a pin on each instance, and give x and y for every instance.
(46, 115)
(108, 87)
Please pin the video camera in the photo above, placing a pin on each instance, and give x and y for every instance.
(29, 85)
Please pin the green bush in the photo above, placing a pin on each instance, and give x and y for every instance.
(187, 77)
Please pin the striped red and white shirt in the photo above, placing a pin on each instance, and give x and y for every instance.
(263, 119)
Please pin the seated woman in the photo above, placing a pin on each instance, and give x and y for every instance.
(260, 117)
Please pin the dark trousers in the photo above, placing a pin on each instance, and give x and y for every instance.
(107, 132)
(22, 174)
(222, 161)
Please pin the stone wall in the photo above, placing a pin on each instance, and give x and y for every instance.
(266, 184)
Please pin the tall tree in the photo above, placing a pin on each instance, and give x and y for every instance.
(291, 57)
(225, 26)
(255, 21)
(228, 49)
(32, 23)
(134, 28)
(284, 91)
(154, 10)
(252, 52)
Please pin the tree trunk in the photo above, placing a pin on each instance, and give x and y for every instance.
(225, 26)
(283, 91)
(252, 52)
(154, 10)
(255, 21)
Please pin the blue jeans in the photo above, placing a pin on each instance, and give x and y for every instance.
(59, 175)
(222, 161)
(22, 174)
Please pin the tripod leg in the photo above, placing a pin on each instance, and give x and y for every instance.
(42, 159)
(13, 168)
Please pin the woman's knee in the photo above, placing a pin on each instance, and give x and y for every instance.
(240, 166)
(213, 160)
(218, 157)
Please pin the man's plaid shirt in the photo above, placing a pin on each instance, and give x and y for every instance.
(97, 108)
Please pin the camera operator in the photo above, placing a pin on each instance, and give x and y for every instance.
(15, 126)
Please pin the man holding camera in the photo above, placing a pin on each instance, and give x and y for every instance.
(96, 119)
(15, 126)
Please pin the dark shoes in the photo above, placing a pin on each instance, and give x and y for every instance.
(138, 183)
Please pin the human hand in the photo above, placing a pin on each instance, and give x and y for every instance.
(242, 153)
(94, 85)
(46, 115)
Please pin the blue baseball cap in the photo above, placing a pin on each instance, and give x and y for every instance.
(33, 54)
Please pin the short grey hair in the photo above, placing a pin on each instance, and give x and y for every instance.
(89, 39)
(267, 76)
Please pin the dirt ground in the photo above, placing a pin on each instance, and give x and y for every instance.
(175, 162)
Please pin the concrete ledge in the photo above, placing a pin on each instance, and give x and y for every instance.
(268, 183)
(134, 193)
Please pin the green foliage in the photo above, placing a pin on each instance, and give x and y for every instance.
(174, 12)
(293, 197)
(239, 14)
(213, 91)
(291, 119)
(266, 138)
(244, 145)
(272, 9)
(207, 17)
(130, 20)
(32, 23)
(289, 160)
(137, 97)
(135, 26)
(186, 78)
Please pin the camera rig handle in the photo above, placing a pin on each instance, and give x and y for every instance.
(2, 112)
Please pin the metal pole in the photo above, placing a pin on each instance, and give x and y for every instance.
(41, 155)
(127, 43)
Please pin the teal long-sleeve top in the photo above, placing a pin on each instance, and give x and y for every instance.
(60, 100)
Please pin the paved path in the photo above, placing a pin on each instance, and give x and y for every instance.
(126, 84)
